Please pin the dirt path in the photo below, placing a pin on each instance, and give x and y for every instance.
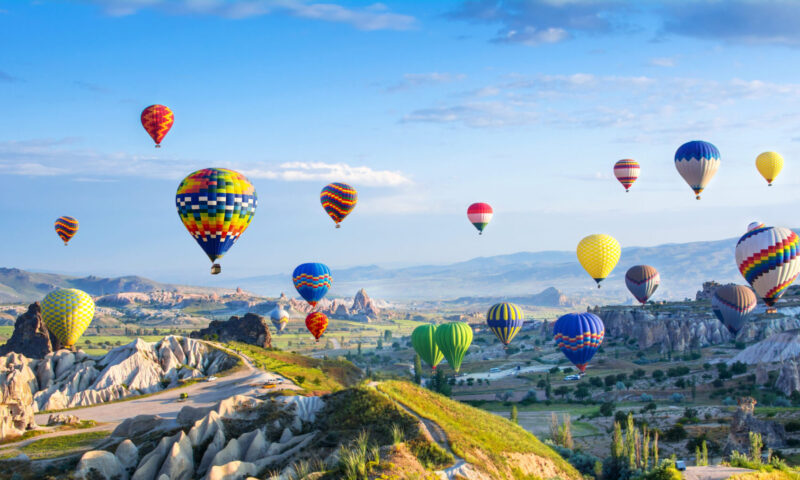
(718, 472)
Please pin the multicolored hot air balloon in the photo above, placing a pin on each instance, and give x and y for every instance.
(579, 335)
(697, 162)
(66, 228)
(754, 225)
(157, 120)
(505, 320)
(769, 165)
(316, 323)
(312, 281)
(732, 305)
(338, 200)
(626, 171)
(769, 260)
(453, 339)
(67, 313)
(480, 214)
(424, 343)
(598, 254)
(279, 318)
(216, 205)
(642, 281)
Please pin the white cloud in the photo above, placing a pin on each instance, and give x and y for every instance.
(662, 62)
(475, 114)
(306, 171)
(412, 80)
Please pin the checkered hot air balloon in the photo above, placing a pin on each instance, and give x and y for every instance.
(316, 323)
(67, 313)
(732, 305)
(66, 228)
(480, 214)
(769, 260)
(579, 335)
(216, 206)
(626, 171)
(697, 162)
(157, 120)
(505, 320)
(598, 254)
(642, 281)
(338, 200)
(312, 281)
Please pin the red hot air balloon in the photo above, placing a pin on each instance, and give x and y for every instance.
(157, 120)
(480, 214)
(316, 323)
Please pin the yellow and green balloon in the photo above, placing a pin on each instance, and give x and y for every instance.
(67, 313)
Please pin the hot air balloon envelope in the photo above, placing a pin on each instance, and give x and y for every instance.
(316, 323)
(769, 165)
(454, 339)
(697, 162)
(480, 214)
(279, 318)
(157, 120)
(598, 254)
(626, 171)
(579, 335)
(66, 228)
(424, 343)
(768, 259)
(505, 320)
(642, 281)
(338, 200)
(312, 281)
(67, 313)
(732, 305)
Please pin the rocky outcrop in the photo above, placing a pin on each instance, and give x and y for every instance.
(251, 328)
(31, 337)
(99, 464)
(127, 454)
(363, 304)
(743, 422)
(17, 382)
(777, 348)
(789, 377)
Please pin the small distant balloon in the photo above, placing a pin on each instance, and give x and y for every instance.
(157, 120)
(279, 318)
(480, 214)
(338, 200)
(769, 165)
(642, 281)
(316, 323)
(66, 228)
(579, 336)
(732, 305)
(505, 320)
(626, 171)
(754, 226)
(697, 162)
(598, 254)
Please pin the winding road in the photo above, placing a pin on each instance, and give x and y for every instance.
(719, 472)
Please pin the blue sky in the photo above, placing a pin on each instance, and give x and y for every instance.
(425, 107)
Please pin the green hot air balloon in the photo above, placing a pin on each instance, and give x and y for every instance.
(425, 345)
(454, 339)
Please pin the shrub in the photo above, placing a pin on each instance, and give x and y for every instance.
(739, 368)
(607, 409)
(675, 433)
(658, 375)
(677, 397)
(728, 401)
(645, 398)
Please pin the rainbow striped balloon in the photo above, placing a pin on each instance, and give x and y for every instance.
(66, 228)
(312, 281)
(338, 200)
(579, 335)
(626, 171)
(505, 320)
(769, 260)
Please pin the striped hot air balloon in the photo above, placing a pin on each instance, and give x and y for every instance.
(579, 335)
(769, 260)
(424, 343)
(732, 305)
(769, 165)
(67, 313)
(697, 162)
(312, 281)
(279, 319)
(505, 320)
(157, 120)
(598, 254)
(754, 225)
(66, 228)
(454, 339)
(626, 171)
(642, 281)
(338, 200)
(480, 214)
(316, 323)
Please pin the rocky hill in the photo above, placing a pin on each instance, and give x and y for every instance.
(549, 297)
(251, 328)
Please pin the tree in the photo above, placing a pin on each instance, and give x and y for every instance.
(704, 450)
(417, 370)
(607, 409)
(655, 448)
(756, 444)
(582, 391)
(563, 390)
(359, 348)
(380, 345)
(387, 335)
(658, 375)
(514, 414)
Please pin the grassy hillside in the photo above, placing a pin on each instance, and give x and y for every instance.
(485, 440)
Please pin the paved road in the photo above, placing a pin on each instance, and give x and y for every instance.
(712, 473)
(506, 373)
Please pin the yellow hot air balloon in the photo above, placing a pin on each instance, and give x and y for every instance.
(769, 165)
(598, 255)
(67, 313)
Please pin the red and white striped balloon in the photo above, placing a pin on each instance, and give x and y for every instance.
(480, 214)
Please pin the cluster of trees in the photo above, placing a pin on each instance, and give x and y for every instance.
(633, 453)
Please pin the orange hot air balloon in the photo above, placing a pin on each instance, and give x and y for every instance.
(316, 323)
(157, 120)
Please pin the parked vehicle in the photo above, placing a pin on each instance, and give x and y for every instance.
(572, 378)
(680, 465)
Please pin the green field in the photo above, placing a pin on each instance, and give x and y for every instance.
(59, 446)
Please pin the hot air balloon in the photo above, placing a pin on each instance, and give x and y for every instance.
(279, 318)
(67, 313)
(338, 200)
(157, 120)
(769, 260)
(642, 281)
(424, 343)
(316, 323)
(754, 225)
(697, 162)
(732, 305)
(579, 335)
(626, 171)
(480, 214)
(453, 339)
(216, 206)
(598, 254)
(505, 320)
(312, 281)
(769, 165)
(66, 228)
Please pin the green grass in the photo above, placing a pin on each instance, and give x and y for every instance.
(308, 373)
(473, 433)
(57, 446)
(35, 433)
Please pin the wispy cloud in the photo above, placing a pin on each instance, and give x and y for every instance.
(92, 87)
(662, 62)
(7, 77)
(413, 80)
(475, 114)
(320, 171)
(372, 17)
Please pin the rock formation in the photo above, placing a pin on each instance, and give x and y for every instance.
(789, 377)
(363, 304)
(777, 348)
(16, 399)
(743, 422)
(31, 337)
(251, 328)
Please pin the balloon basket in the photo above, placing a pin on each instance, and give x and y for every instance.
(772, 310)
(697, 197)
(338, 226)
(215, 269)
(158, 145)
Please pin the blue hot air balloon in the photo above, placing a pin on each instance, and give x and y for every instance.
(505, 320)
(579, 335)
(312, 281)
